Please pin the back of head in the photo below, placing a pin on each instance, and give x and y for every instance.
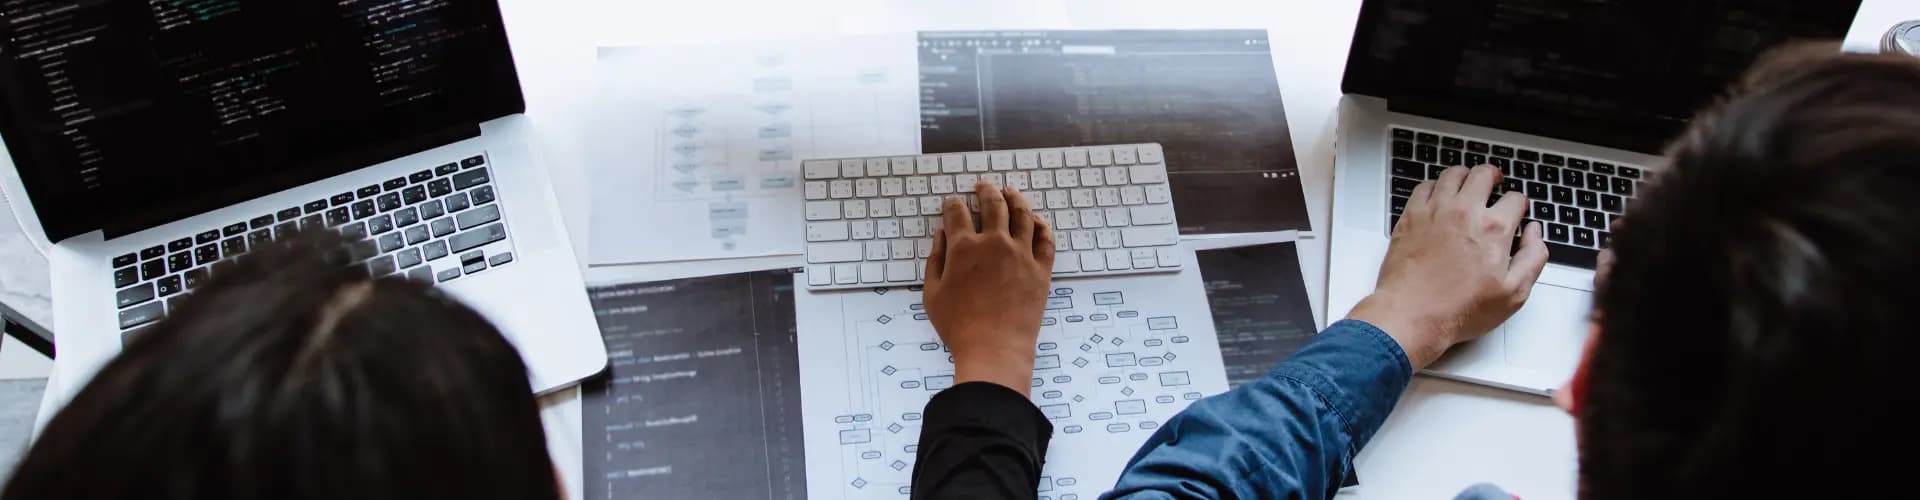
(289, 377)
(1762, 299)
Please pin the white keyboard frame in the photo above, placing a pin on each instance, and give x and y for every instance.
(839, 180)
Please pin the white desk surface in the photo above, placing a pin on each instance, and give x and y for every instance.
(1442, 437)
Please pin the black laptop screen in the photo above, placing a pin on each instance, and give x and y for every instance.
(1621, 73)
(123, 114)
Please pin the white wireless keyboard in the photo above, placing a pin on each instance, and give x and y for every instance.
(870, 221)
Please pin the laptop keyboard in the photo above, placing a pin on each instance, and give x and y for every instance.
(405, 226)
(1576, 199)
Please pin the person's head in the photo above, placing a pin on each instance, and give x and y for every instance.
(290, 377)
(1762, 299)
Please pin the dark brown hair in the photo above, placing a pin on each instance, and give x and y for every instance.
(290, 377)
(1760, 316)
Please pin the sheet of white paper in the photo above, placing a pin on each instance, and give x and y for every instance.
(1117, 357)
(696, 150)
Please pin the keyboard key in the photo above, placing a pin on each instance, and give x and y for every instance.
(179, 262)
(422, 274)
(342, 199)
(416, 234)
(1452, 142)
(367, 192)
(442, 226)
(1587, 199)
(1622, 187)
(1593, 219)
(482, 195)
(233, 247)
(394, 183)
(152, 270)
(315, 206)
(142, 315)
(405, 217)
(1612, 203)
(448, 275)
(1549, 175)
(1404, 187)
(439, 188)
(1397, 205)
(179, 244)
(473, 161)
(393, 241)
(168, 286)
(257, 237)
(1512, 185)
(1402, 149)
(1569, 215)
(1629, 172)
(1450, 157)
(1536, 191)
(1402, 134)
(1477, 147)
(355, 230)
(434, 250)
(1574, 180)
(1553, 159)
(480, 236)
(1407, 169)
(125, 276)
(363, 209)
(1606, 239)
(1434, 171)
(125, 260)
(312, 221)
(134, 295)
(362, 250)
(1147, 174)
(1578, 164)
(1528, 156)
(381, 266)
(407, 258)
(1543, 210)
(1583, 237)
(1596, 182)
(379, 225)
(1476, 159)
(1427, 138)
(205, 254)
(1503, 151)
(1562, 195)
(500, 258)
(1603, 168)
(1146, 236)
(421, 176)
(288, 214)
(1506, 165)
(456, 203)
(193, 278)
(1426, 154)
(1557, 232)
(261, 222)
(1523, 170)
(388, 202)
(413, 194)
(153, 252)
(828, 253)
(431, 209)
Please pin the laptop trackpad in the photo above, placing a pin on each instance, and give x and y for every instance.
(1536, 350)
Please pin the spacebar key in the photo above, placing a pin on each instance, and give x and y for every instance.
(1149, 236)
(828, 253)
(471, 239)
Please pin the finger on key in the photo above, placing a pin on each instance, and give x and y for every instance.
(1448, 185)
(1019, 215)
(937, 260)
(1417, 205)
(1509, 211)
(954, 215)
(1529, 262)
(993, 208)
(1479, 185)
(1042, 243)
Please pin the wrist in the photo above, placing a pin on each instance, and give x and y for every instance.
(1006, 369)
(1423, 338)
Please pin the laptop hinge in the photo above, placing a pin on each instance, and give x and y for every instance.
(1643, 137)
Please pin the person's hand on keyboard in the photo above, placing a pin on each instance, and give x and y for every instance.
(986, 289)
(1450, 275)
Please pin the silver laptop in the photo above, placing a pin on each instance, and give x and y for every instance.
(151, 145)
(1571, 99)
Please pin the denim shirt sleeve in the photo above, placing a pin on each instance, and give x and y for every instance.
(1292, 434)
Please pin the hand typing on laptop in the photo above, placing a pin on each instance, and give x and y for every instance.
(1450, 275)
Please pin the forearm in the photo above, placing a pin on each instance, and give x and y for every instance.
(980, 440)
(1291, 434)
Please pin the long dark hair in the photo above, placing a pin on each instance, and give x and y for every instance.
(292, 377)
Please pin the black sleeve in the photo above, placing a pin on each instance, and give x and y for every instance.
(980, 440)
